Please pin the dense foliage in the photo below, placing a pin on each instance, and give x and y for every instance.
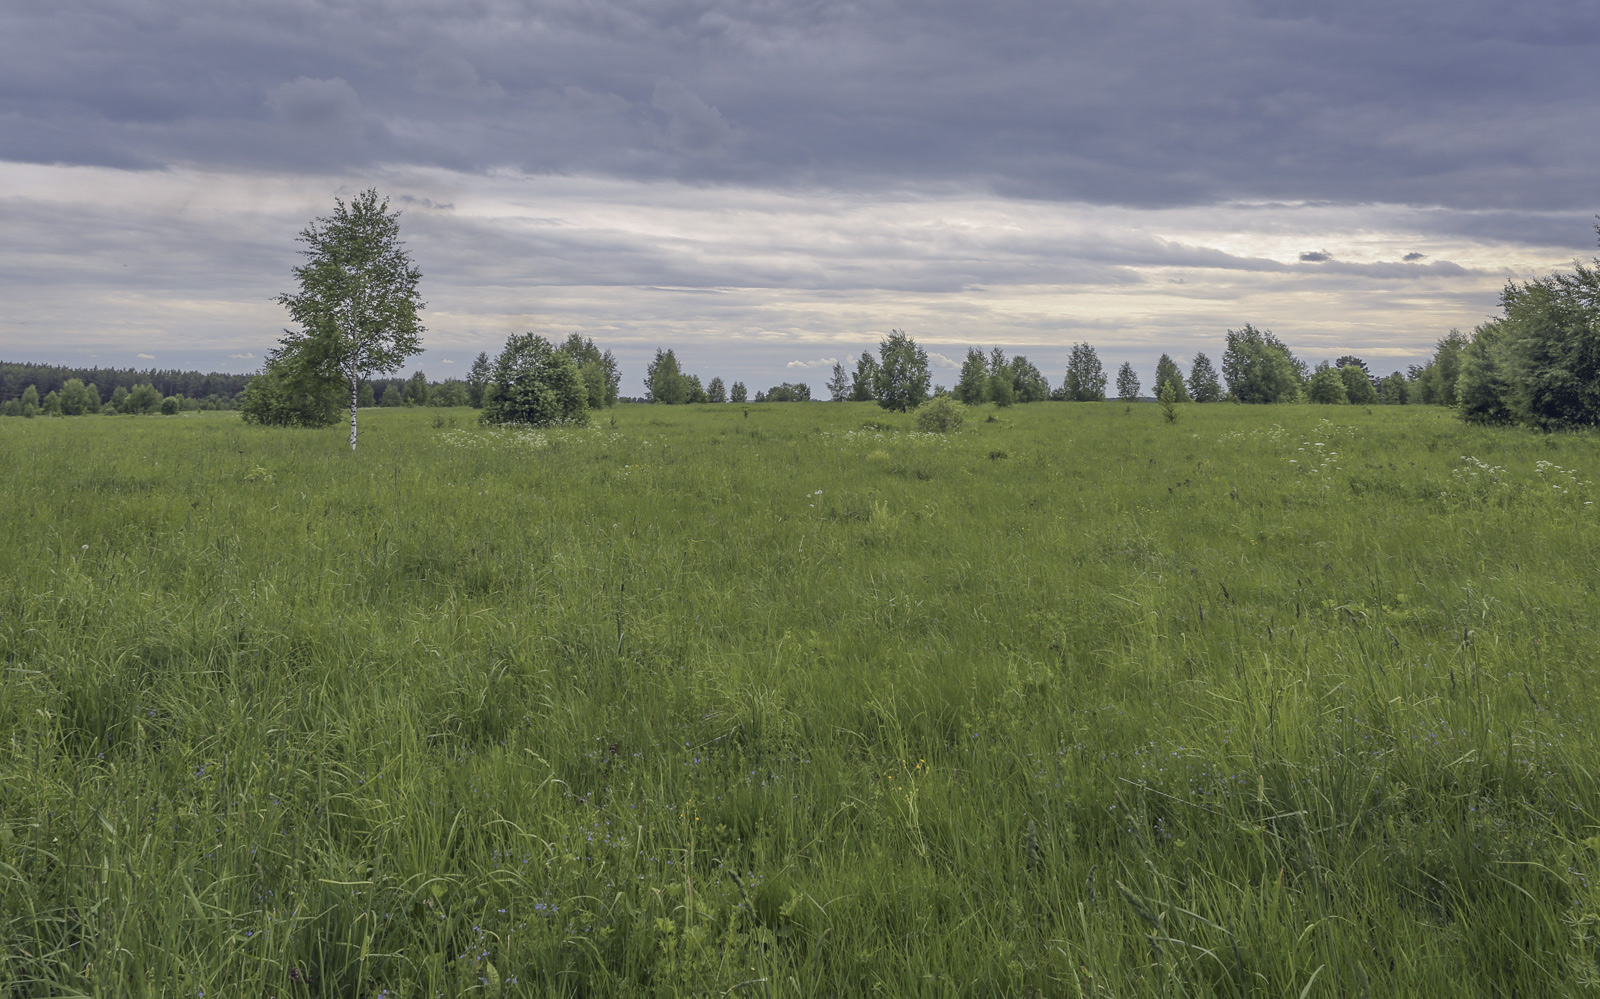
(1259, 367)
(900, 381)
(1085, 380)
(1539, 364)
(288, 394)
(534, 384)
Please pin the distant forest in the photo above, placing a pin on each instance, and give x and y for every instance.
(199, 390)
(46, 378)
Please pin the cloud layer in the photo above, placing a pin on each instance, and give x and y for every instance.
(729, 176)
(1137, 102)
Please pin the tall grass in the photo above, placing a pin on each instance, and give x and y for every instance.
(795, 701)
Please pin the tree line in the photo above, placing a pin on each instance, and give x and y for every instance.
(357, 310)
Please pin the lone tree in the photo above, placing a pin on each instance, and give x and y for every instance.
(357, 304)
(1127, 382)
(1086, 379)
(901, 381)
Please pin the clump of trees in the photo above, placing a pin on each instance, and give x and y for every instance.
(786, 392)
(535, 383)
(997, 379)
(1260, 368)
(1538, 364)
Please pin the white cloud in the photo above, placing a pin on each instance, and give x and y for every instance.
(447, 361)
(145, 357)
(822, 362)
(941, 361)
(246, 356)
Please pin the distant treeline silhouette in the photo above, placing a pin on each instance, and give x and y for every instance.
(15, 377)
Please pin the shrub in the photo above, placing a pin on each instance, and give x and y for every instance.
(941, 415)
(285, 394)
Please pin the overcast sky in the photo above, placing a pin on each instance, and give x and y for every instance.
(768, 185)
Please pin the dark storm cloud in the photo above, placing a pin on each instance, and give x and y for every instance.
(1137, 103)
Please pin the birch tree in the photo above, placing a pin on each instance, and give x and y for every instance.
(357, 304)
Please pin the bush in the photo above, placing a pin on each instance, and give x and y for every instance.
(940, 416)
(536, 384)
(285, 394)
(170, 406)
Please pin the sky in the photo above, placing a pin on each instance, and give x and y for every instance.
(769, 186)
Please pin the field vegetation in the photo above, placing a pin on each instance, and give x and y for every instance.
(756, 700)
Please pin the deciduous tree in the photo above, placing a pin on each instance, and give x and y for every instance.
(901, 381)
(1203, 383)
(358, 303)
(1127, 382)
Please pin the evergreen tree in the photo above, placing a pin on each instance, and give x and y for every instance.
(416, 393)
(738, 393)
(716, 392)
(599, 369)
(1203, 383)
(1394, 390)
(365, 399)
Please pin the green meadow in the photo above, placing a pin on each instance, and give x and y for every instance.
(793, 700)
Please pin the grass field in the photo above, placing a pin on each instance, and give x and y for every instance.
(764, 701)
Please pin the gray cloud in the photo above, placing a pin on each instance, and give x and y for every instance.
(1315, 256)
(1138, 103)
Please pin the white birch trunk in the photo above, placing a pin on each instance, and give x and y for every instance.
(354, 394)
